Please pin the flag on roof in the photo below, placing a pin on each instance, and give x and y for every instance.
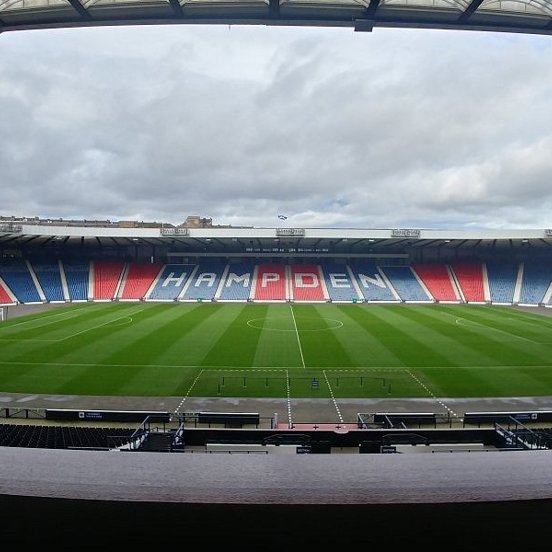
(282, 217)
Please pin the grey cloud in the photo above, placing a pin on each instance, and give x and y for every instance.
(333, 127)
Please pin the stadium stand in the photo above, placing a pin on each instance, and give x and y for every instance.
(77, 278)
(306, 283)
(237, 282)
(502, 277)
(470, 280)
(138, 279)
(204, 282)
(339, 282)
(62, 437)
(499, 282)
(17, 277)
(172, 282)
(5, 294)
(372, 283)
(107, 275)
(536, 279)
(436, 278)
(49, 277)
(270, 283)
(406, 284)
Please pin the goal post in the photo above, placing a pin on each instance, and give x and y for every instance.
(2, 314)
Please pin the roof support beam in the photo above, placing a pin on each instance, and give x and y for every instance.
(470, 11)
(82, 11)
(274, 8)
(366, 24)
(176, 7)
(372, 9)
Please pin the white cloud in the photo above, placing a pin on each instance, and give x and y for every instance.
(335, 128)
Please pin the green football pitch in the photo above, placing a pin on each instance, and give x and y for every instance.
(278, 350)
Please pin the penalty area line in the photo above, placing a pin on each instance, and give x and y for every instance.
(431, 394)
(333, 397)
(181, 404)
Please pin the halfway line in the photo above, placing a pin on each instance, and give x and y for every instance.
(298, 339)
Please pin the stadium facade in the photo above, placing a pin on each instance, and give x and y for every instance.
(44, 260)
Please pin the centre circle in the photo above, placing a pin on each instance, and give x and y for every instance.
(301, 324)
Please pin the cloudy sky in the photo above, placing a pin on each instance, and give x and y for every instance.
(332, 128)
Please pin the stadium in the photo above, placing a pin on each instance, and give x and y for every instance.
(276, 386)
(243, 345)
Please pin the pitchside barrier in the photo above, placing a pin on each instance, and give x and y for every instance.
(478, 418)
(404, 420)
(61, 414)
(228, 419)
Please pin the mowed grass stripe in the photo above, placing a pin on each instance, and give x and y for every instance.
(464, 343)
(151, 339)
(496, 382)
(320, 343)
(506, 321)
(363, 340)
(204, 327)
(84, 338)
(19, 327)
(131, 351)
(277, 342)
(465, 346)
(238, 344)
(54, 329)
(44, 351)
(82, 346)
(532, 318)
(512, 346)
(161, 348)
(95, 379)
(458, 382)
(178, 354)
(503, 347)
(407, 346)
(517, 318)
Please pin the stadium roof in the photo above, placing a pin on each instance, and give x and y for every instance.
(529, 16)
(280, 241)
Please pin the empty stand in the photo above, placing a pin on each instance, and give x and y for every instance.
(237, 283)
(372, 283)
(62, 437)
(406, 284)
(17, 277)
(502, 277)
(49, 277)
(306, 283)
(5, 296)
(204, 281)
(171, 282)
(470, 279)
(107, 275)
(437, 280)
(537, 276)
(499, 282)
(77, 276)
(339, 282)
(270, 283)
(138, 279)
